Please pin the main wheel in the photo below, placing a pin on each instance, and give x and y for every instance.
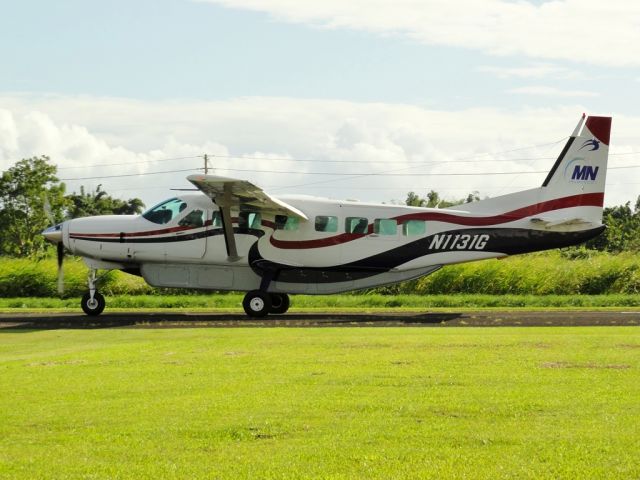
(279, 303)
(257, 303)
(92, 307)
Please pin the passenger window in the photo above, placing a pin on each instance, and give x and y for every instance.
(166, 211)
(250, 220)
(280, 221)
(284, 222)
(414, 227)
(385, 226)
(326, 224)
(194, 218)
(216, 219)
(356, 225)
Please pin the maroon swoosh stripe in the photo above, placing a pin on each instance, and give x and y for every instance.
(146, 233)
(582, 200)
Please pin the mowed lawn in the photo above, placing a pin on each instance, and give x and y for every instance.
(339, 403)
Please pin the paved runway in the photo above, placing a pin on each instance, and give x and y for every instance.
(296, 320)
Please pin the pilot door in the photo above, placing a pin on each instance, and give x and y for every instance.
(189, 238)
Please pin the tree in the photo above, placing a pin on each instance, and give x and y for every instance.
(29, 194)
(99, 202)
(433, 200)
(623, 229)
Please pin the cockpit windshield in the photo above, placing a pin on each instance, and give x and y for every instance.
(166, 211)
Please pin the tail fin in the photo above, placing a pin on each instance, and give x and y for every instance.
(581, 168)
(573, 189)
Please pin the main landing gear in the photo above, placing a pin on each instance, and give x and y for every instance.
(92, 302)
(257, 303)
(260, 303)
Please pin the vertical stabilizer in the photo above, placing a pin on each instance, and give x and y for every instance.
(574, 187)
(581, 167)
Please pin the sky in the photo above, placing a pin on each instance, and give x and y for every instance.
(340, 98)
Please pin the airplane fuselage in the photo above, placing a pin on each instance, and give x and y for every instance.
(345, 245)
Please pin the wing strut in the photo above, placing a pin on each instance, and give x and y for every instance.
(240, 194)
(227, 225)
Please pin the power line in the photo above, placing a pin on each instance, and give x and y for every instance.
(129, 175)
(334, 174)
(377, 174)
(131, 163)
(316, 160)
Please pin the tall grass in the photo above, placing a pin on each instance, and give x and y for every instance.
(21, 277)
(550, 273)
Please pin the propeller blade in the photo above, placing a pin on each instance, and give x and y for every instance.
(60, 269)
(47, 209)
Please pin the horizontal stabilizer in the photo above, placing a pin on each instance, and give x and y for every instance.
(562, 222)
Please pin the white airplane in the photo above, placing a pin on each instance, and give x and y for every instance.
(233, 236)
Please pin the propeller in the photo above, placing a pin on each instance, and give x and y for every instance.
(60, 249)
(54, 235)
(47, 209)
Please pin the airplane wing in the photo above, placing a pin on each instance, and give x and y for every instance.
(230, 192)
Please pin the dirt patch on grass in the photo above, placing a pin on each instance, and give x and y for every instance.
(613, 366)
(234, 354)
(54, 363)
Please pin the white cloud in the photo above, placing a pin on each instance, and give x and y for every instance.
(340, 136)
(584, 31)
(544, 91)
(537, 70)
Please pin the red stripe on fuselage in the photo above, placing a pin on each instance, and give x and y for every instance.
(583, 200)
(146, 233)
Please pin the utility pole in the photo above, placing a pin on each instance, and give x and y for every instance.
(206, 164)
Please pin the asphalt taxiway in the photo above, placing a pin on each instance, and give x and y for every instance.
(301, 320)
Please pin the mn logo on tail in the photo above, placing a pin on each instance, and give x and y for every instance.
(584, 172)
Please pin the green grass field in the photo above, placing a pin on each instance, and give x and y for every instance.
(320, 403)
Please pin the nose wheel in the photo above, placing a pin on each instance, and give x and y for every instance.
(92, 306)
(92, 302)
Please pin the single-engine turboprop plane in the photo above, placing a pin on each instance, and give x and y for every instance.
(233, 236)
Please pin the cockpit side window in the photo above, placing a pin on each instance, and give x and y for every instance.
(166, 211)
(195, 218)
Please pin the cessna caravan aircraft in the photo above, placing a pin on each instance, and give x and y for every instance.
(233, 236)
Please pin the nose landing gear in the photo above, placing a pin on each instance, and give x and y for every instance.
(92, 302)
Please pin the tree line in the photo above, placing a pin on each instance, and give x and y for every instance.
(32, 198)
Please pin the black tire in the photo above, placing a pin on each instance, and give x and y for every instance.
(94, 308)
(279, 303)
(257, 303)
